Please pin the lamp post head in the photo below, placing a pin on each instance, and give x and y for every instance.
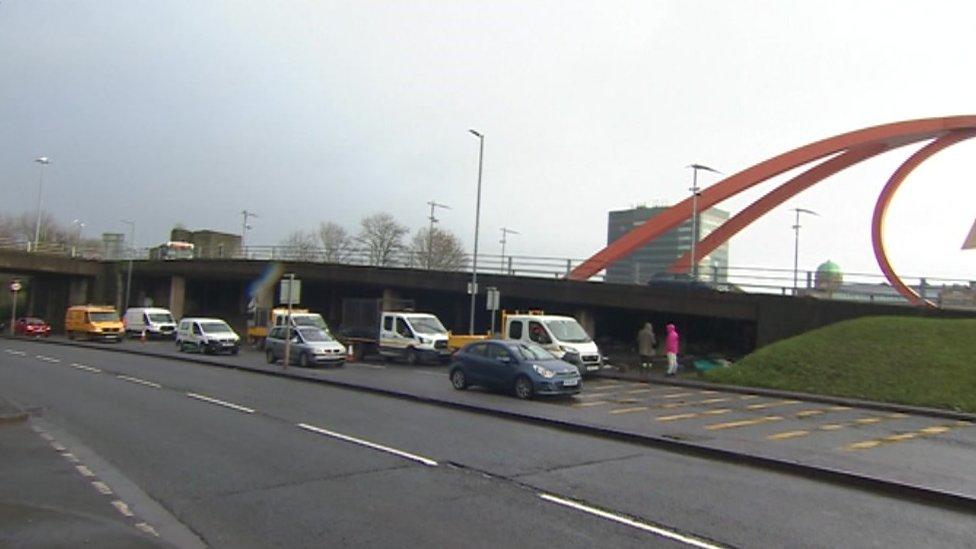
(806, 211)
(702, 167)
(478, 135)
(42, 160)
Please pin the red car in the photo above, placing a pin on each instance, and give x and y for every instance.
(31, 327)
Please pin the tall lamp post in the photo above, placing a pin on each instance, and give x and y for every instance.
(505, 232)
(132, 249)
(43, 161)
(246, 214)
(473, 290)
(430, 231)
(796, 244)
(694, 213)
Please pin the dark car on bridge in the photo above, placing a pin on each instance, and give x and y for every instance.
(525, 368)
(31, 327)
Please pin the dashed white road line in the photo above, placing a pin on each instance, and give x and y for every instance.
(223, 403)
(663, 532)
(85, 471)
(85, 368)
(143, 527)
(139, 381)
(47, 359)
(123, 508)
(102, 488)
(366, 443)
(16, 352)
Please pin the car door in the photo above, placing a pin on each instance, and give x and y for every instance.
(474, 363)
(500, 365)
(197, 336)
(273, 342)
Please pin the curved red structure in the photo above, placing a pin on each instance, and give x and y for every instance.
(849, 149)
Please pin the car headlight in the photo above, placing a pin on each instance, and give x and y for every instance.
(543, 371)
(318, 351)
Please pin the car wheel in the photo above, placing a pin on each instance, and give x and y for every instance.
(523, 388)
(269, 356)
(203, 348)
(412, 357)
(459, 380)
(303, 360)
(235, 350)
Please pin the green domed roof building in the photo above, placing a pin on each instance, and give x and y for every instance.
(829, 277)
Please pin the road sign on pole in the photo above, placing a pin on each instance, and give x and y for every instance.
(290, 290)
(492, 300)
(15, 287)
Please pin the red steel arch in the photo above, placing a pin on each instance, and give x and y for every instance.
(853, 147)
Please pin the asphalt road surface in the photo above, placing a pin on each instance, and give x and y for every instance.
(245, 460)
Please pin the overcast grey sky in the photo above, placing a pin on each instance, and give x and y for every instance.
(190, 111)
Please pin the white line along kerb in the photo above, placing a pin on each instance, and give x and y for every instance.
(223, 403)
(139, 381)
(373, 445)
(85, 368)
(687, 540)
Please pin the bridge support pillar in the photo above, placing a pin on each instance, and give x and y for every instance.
(177, 296)
(78, 291)
(390, 298)
(587, 321)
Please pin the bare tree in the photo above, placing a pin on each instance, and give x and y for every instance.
(382, 237)
(438, 249)
(301, 246)
(336, 241)
(21, 228)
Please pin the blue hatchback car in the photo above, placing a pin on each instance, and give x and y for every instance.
(525, 368)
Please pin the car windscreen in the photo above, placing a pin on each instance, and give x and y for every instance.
(310, 320)
(110, 316)
(314, 335)
(215, 327)
(533, 351)
(32, 321)
(567, 330)
(160, 318)
(427, 325)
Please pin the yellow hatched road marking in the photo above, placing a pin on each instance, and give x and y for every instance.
(708, 392)
(934, 430)
(788, 435)
(716, 412)
(639, 391)
(863, 445)
(808, 413)
(868, 420)
(677, 395)
(587, 404)
(962, 423)
(831, 427)
(742, 423)
(901, 437)
(713, 400)
(628, 410)
(624, 400)
(772, 404)
(676, 417)
(594, 395)
(748, 397)
(896, 415)
(839, 408)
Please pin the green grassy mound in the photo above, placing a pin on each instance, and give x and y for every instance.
(918, 361)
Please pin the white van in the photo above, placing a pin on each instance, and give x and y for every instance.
(207, 335)
(413, 336)
(154, 321)
(560, 335)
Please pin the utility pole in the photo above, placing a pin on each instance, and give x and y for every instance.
(246, 214)
(473, 290)
(505, 232)
(132, 251)
(43, 161)
(796, 244)
(695, 229)
(430, 231)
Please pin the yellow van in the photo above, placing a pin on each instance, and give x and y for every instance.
(93, 322)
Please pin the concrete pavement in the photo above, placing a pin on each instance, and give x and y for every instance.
(218, 467)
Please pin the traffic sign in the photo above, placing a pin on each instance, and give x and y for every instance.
(492, 298)
(15, 285)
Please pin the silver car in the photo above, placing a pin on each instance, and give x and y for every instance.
(309, 346)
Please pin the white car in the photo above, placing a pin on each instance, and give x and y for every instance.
(152, 321)
(207, 335)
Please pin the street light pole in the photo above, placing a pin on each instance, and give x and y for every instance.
(132, 249)
(43, 161)
(505, 232)
(430, 231)
(694, 214)
(473, 290)
(246, 214)
(796, 244)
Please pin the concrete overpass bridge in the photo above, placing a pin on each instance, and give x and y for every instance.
(733, 323)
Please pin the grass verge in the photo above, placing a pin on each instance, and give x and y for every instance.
(915, 361)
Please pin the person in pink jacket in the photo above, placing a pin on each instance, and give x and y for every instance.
(671, 346)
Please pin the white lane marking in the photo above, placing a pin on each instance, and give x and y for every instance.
(143, 527)
(85, 368)
(681, 538)
(47, 359)
(102, 488)
(373, 445)
(139, 381)
(85, 471)
(219, 402)
(46, 436)
(70, 457)
(16, 353)
(123, 508)
(58, 447)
